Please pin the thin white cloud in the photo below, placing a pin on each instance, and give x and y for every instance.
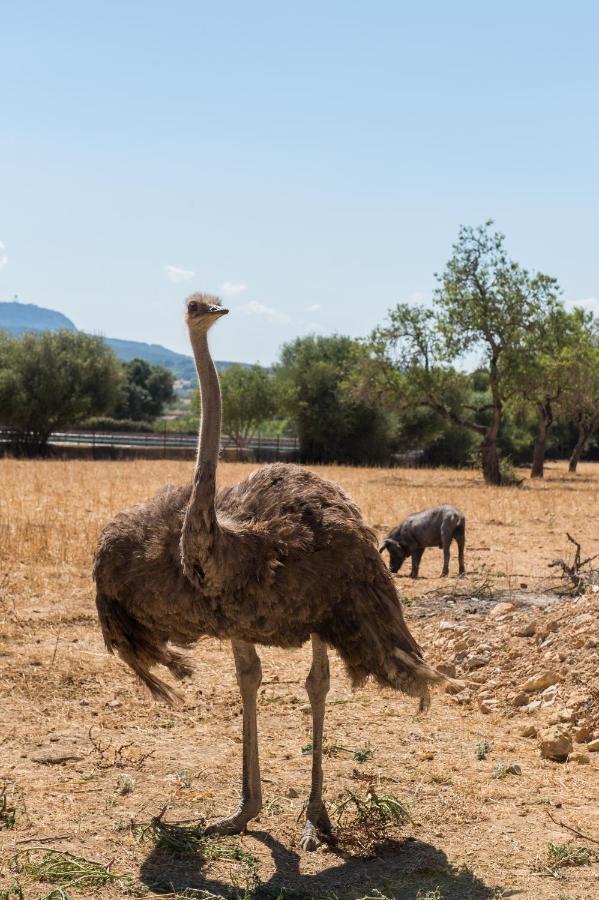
(232, 288)
(178, 275)
(253, 308)
(3, 255)
(314, 307)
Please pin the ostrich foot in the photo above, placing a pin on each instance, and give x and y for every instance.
(317, 823)
(235, 824)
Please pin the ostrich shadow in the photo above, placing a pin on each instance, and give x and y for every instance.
(402, 870)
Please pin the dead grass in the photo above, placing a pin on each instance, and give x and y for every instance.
(472, 834)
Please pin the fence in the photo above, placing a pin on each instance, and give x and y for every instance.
(162, 443)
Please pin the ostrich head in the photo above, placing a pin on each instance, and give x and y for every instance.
(202, 311)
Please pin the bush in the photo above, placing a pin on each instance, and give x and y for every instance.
(107, 424)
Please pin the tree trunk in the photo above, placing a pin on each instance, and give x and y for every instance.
(538, 453)
(490, 460)
(579, 447)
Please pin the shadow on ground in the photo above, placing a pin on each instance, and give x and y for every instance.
(402, 870)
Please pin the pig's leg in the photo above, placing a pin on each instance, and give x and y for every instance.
(446, 538)
(416, 557)
(460, 537)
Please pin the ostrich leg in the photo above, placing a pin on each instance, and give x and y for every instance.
(249, 677)
(317, 686)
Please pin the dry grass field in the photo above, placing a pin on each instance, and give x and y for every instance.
(89, 766)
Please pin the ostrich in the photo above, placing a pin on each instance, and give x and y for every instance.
(281, 558)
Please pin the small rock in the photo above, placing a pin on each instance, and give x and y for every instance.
(53, 757)
(487, 706)
(539, 681)
(532, 706)
(447, 669)
(475, 662)
(593, 746)
(464, 697)
(292, 793)
(525, 630)
(114, 704)
(455, 686)
(426, 756)
(555, 743)
(583, 759)
(501, 609)
(528, 731)
(566, 715)
(521, 699)
(583, 734)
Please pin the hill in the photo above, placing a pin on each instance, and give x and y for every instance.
(18, 318)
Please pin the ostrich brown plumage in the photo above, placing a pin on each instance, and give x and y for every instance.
(280, 558)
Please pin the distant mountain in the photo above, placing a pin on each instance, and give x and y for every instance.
(17, 318)
(20, 317)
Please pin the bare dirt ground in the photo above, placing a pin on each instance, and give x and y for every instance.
(87, 760)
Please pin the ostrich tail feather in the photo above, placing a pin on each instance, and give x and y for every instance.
(140, 648)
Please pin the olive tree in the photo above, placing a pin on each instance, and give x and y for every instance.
(579, 400)
(489, 305)
(53, 380)
(249, 398)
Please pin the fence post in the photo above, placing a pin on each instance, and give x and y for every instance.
(164, 443)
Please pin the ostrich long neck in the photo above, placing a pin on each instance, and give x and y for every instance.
(200, 527)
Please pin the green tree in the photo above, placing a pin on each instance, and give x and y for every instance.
(544, 367)
(54, 380)
(332, 424)
(489, 305)
(579, 399)
(145, 391)
(249, 399)
(485, 304)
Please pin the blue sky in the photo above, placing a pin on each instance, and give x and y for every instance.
(310, 161)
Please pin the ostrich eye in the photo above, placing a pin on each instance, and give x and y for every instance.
(192, 306)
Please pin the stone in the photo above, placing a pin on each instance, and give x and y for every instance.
(487, 706)
(527, 630)
(583, 759)
(521, 699)
(501, 609)
(583, 734)
(528, 731)
(54, 757)
(292, 793)
(447, 669)
(455, 686)
(475, 662)
(593, 746)
(566, 715)
(555, 743)
(540, 681)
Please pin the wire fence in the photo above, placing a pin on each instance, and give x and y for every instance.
(257, 447)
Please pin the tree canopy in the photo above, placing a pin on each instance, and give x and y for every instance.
(331, 424)
(249, 398)
(53, 380)
(144, 391)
